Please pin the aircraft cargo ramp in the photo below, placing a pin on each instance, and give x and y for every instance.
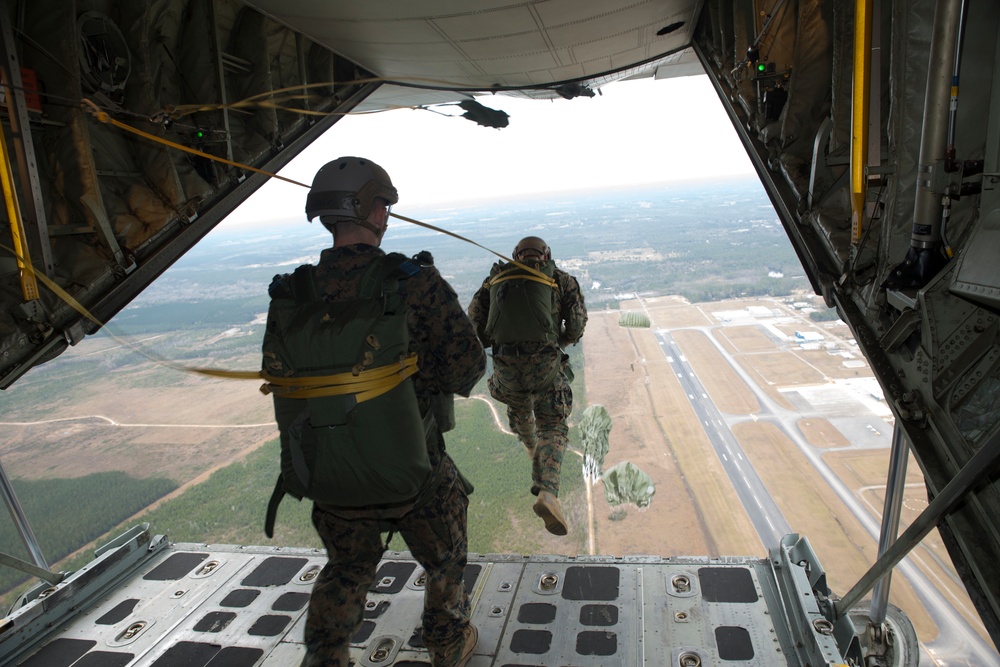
(146, 602)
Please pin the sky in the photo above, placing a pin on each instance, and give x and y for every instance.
(634, 132)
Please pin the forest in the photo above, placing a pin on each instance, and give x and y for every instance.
(75, 512)
(229, 507)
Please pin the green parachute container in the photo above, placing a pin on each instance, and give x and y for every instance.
(595, 425)
(626, 483)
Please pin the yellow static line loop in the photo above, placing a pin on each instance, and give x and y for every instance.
(508, 275)
(425, 225)
(860, 113)
(365, 385)
(104, 117)
(29, 287)
(368, 384)
(280, 94)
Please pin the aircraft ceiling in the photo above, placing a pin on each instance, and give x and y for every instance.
(493, 45)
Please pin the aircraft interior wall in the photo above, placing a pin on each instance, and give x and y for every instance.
(914, 282)
(105, 211)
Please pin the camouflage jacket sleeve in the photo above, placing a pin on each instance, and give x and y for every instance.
(479, 311)
(451, 359)
(572, 309)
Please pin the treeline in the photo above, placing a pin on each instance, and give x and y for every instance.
(198, 312)
(719, 291)
(66, 514)
(828, 315)
(229, 507)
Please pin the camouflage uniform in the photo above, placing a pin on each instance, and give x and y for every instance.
(533, 381)
(451, 361)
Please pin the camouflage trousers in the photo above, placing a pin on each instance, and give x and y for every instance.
(537, 412)
(437, 538)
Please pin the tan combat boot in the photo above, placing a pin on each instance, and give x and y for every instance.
(548, 508)
(471, 639)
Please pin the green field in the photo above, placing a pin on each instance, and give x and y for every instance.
(229, 507)
(75, 511)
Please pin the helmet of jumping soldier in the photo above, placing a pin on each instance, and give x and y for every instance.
(347, 188)
(532, 246)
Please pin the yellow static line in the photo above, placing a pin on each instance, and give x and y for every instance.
(860, 113)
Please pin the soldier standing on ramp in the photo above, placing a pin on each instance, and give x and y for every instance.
(528, 317)
(358, 351)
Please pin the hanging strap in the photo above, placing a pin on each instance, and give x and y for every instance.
(364, 385)
(272, 507)
(515, 273)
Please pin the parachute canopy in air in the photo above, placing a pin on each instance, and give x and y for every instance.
(627, 483)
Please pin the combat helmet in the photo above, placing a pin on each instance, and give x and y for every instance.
(347, 188)
(532, 245)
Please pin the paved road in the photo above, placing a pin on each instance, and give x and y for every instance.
(957, 644)
(764, 514)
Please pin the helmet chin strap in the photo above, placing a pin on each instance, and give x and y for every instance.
(375, 229)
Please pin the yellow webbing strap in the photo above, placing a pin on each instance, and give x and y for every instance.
(860, 113)
(509, 275)
(272, 99)
(29, 288)
(365, 385)
(368, 384)
(425, 225)
(105, 117)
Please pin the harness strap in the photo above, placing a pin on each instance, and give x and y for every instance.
(529, 269)
(365, 385)
(537, 276)
(272, 507)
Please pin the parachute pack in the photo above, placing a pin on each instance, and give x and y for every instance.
(351, 433)
(524, 305)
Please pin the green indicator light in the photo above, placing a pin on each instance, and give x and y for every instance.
(200, 134)
(761, 67)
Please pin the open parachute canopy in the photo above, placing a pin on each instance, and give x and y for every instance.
(627, 483)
